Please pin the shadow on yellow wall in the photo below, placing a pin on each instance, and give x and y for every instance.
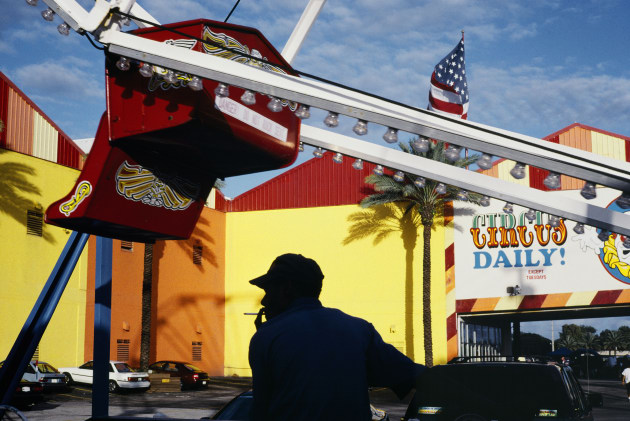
(15, 189)
(379, 222)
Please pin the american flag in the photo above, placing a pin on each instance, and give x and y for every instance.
(449, 89)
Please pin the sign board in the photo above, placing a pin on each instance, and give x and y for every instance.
(495, 250)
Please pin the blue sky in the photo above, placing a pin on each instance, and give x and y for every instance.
(533, 66)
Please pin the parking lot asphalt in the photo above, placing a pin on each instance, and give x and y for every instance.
(194, 404)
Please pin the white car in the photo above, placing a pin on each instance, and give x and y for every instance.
(121, 376)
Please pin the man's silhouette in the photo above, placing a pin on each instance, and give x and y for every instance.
(310, 362)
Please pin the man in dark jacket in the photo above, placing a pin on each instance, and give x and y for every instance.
(310, 362)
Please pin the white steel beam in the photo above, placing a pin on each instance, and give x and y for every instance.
(302, 29)
(469, 180)
(558, 158)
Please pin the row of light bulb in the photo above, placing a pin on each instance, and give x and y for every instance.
(64, 29)
(462, 195)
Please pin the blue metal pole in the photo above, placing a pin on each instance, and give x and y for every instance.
(102, 327)
(34, 327)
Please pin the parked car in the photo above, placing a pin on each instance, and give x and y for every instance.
(238, 409)
(190, 376)
(27, 393)
(501, 390)
(121, 376)
(45, 374)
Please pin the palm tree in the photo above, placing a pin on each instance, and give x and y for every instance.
(612, 340)
(569, 342)
(426, 203)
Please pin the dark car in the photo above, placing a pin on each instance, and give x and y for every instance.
(190, 376)
(501, 390)
(27, 393)
(239, 408)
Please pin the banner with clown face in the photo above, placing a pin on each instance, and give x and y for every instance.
(495, 250)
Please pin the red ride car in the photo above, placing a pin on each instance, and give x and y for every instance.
(190, 376)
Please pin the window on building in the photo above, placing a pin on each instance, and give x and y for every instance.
(126, 245)
(196, 351)
(34, 222)
(197, 254)
(122, 349)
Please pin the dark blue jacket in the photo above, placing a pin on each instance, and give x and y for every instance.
(316, 363)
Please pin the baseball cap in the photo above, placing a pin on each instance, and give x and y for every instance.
(293, 267)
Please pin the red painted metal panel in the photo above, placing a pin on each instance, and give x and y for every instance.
(4, 108)
(317, 182)
(465, 306)
(537, 175)
(67, 153)
(532, 301)
(606, 297)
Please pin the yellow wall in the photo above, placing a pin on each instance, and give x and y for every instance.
(361, 278)
(26, 260)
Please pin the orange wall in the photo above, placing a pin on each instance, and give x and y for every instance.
(188, 299)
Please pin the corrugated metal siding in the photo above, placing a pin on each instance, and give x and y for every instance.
(19, 124)
(67, 153)
(612, 147)
(45, 138)
(579, 138)
(317, 182)
(4, 108)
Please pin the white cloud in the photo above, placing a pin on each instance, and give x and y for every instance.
(51, 80)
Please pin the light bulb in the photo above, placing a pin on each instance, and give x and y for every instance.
(170, 77)
(530, 215)
(589, 191)
(378, 170)
(485, 161)
(518, 171)
(462, 195)
(391, 135)
(337, 158)
(398, 176)
(125, 21)
(625, 241)
(623, 201)
(485, 201)
(552, 181)
(64, 29)
(332, 119)
(195, 84)
(554, 221)
(274, 105)
(452, 152)
(578, 228)
(248, 97)
(358, 164)
(318, 152)
(301, 147)
(31, 2)
(303, 112)
(603, 235)
(123, 64)
(360, 128)
(508, 208)
(420, 182)
(48, 14)
(421, 144)
(223, 91)
(146, 70)
(440, 188)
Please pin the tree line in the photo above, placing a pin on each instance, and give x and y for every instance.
(574, 337)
